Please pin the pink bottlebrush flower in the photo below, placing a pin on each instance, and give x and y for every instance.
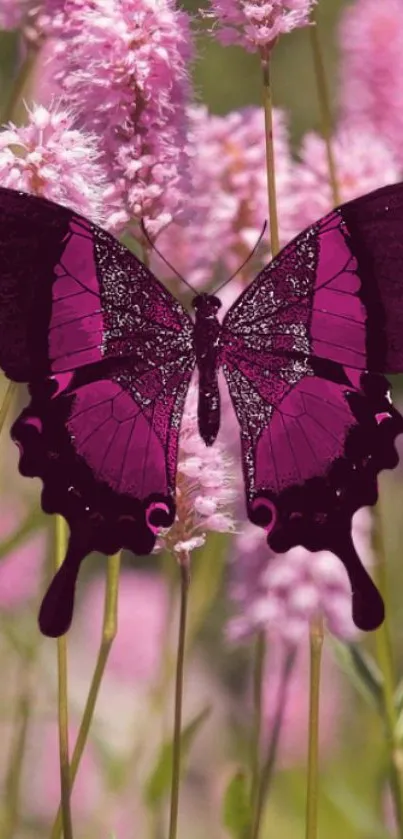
(228, 204)
(31, 16)
(293, 736)
(123, 65)
(142, 615)
(256, 24)
(371, 89)
(12, 13)
(204, 491)
(54, 160)
(41, 775)
(44, 88)
(363, 162)
(20, 570)
(282, 592)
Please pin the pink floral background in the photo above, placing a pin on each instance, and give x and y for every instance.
(130, 109)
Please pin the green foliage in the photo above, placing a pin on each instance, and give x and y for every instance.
(362, 670)
(237, 808)
(159, 782)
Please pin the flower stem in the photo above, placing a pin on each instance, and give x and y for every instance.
(63, 716)
(261, 775)
(23, 712)
(109, 631)
(325, 110)
(11, 389)
(267, 769)
(316, 644)
(259, 662)
(271, 180)
(176, 754)
(385, 659)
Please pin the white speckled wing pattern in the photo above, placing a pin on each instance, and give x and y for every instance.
(265, 350)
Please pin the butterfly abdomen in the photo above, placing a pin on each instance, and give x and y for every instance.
(206, 343)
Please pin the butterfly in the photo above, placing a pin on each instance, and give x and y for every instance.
(108, 354)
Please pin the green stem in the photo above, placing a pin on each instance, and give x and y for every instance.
(385, 660)
(261, 776)
(267, 769)
(23, 712)
(11, 389)
(325, 109)
(10, 111)
(316, 644)
(63, 716)
(176, 755)
(109, 631)
(258, 671)
(271, 179)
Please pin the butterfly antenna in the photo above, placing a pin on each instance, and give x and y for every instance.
(246, 260)
(151, 243)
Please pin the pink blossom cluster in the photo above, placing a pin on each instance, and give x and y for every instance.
(204, 491)
(371, 70)
(12, 13)
(281, 593)
(256, 24)
(228, 204)
(123, 65)
(32, 16)
(363, 162)
(50, 157)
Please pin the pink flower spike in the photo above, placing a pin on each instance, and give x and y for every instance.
(124, 66)
(371, 89)
(363, 161)
(54, 160)
(281, 593)
(228, 202)
(258, 23)
(12, 13)
(199, 507)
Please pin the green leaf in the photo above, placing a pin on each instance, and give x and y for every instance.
(399, 697)
(363, 672)
(159, 781)
(359, 813)
(237, 814)
(399, 726)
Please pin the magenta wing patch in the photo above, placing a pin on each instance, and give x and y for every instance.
(302, 350)
(108, 355)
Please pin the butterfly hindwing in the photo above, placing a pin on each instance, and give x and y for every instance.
(108, 354)
(303, 349)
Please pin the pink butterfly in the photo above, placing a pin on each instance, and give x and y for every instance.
(108, 355)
